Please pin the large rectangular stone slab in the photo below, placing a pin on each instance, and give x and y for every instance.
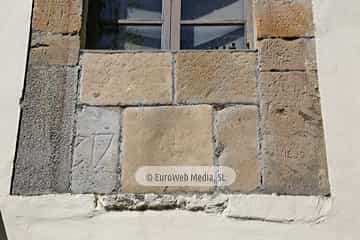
(43, 158)
(284, 18)
(285, 55)
(57, 16)
(54, 49)
(292, 137)
(215, 77)
(96, 163)
(126, 78)
(165, 136)
(236, 134)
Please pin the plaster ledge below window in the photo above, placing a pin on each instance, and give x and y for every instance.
(286, 209)
(260, 207)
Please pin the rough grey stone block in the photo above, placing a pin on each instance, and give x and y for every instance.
(210, 203)
(96, 154)
(43, 159)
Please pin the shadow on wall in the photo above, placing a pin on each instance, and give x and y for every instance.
(2, 229)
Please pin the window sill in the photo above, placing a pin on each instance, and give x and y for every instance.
(107, 51)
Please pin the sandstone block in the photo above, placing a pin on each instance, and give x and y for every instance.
(165, 136)
(96, 163)
(57, 16)
(43, 160)
(284, 18)
(54, 49)
(126, 79)
(292, 137)
(215, 77)
(279, 54)
(236, 136)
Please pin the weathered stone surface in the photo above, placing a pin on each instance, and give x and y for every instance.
(236, 137)
(292, 138)
(43, 160)
(215, 77)
(279, 54)
(284, 18)
(96, 155)
(214, 203)
(126, 78)
(54, 49)
(165, 136)
(57, 16)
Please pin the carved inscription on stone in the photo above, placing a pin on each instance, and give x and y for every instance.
(96, 154)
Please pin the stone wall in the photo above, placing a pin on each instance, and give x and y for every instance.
(179, 109)
(45, 143)
(90, 119)
(291, 131)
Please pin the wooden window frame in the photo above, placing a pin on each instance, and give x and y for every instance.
(171, 23)
(177, 22)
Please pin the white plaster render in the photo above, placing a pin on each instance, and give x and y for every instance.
(285, 209)
(15, 19)
(40, 218)
(274, 208)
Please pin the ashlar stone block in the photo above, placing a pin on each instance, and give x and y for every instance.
(96, 163)
(292, 137)
(126, 78)
(57, 16)
(284, 18)
(165, 136)
(291, 55)
(54, 49)
(215, 77)
(236, 134)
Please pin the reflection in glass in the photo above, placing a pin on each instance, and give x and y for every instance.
(212, 9)
(121, 37)
(212, 37)
(112, 10)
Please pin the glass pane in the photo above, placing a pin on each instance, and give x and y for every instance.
(110, 10)
(212, 37)
(123, 37)
(212, 9)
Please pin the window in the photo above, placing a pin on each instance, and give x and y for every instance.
(169, 24)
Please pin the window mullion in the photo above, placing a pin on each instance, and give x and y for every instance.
(175, 24)
(166, 27)
(249, 29)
